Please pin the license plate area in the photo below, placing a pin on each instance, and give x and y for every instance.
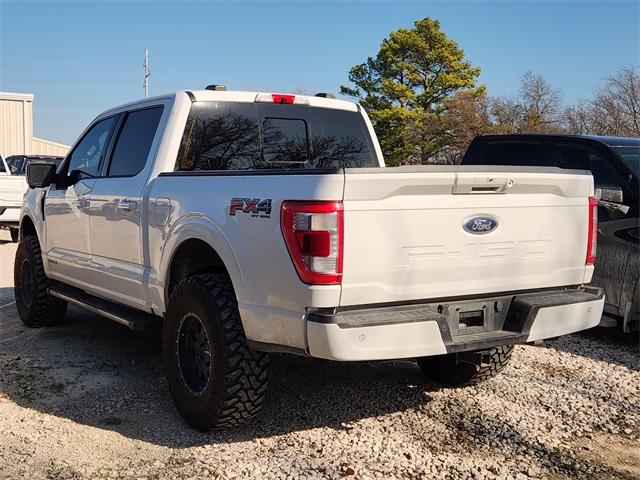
(473, 317)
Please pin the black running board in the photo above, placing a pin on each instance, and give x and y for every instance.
(134, 319)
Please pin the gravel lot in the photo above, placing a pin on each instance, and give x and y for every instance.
(88, 400)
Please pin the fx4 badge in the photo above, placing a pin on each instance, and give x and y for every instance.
(254, 206)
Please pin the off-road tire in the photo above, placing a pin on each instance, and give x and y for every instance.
(445, 369)
(236, 384)
(34, 304)
(15, 234)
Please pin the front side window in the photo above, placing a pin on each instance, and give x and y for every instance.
(245, 136)
(88, 154)
(134, 142)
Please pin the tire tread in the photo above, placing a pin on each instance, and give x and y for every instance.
(244, 370)
(45, 310)
(444, 369)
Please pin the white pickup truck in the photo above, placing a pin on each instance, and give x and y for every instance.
(13, 185)
(251, 223)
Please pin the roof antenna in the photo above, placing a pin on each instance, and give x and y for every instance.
(147, 73)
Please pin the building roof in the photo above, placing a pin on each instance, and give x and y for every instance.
(16, 96)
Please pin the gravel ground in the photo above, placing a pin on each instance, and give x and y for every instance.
(88, 399)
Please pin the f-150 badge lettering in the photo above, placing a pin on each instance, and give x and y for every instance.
(480, 224)
(255, 206)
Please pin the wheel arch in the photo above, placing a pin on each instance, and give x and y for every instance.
(194, 246)
(28, 227)
(191, 257)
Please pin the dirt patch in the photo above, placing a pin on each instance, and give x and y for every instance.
(618, 455)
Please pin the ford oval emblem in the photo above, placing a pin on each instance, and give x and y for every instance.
(480, 224)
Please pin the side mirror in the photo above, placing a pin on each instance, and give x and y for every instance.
(613, 207)
(609, 194)
(41, 174)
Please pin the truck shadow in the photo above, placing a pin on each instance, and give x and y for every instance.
(98, 373)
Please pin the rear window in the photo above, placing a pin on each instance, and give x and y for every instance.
(511, 153)
(244, 136)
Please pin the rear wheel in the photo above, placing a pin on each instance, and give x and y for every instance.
(35, 306)
(15, 234)
(215, 379)
(468, 368)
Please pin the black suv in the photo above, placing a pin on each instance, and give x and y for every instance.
(615, 165)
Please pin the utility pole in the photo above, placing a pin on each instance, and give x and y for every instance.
(147, 73)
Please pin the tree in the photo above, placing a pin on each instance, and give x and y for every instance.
(614, 109)
(541, 103)
(463, 116)
(405, 85)
(537, 108)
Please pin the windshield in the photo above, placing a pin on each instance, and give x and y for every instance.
(15, 165)
(630, 156)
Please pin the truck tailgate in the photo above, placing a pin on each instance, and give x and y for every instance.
(405, 237)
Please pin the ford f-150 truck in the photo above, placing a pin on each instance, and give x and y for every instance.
(250, 223)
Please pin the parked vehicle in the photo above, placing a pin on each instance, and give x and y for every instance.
(253, 223)
(13, 184)
(615, 165)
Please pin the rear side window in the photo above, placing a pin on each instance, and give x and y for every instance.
(134, 142)
(572, 157)
(584, 158)
(533, 154)
(244, 136)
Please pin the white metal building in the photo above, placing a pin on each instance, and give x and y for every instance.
(16, 128)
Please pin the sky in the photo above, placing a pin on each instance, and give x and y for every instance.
(80, 58)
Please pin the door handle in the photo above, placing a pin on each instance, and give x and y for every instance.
(80, 202)
(127, 205)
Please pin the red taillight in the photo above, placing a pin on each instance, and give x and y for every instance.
(280, 98)
(592, 239)
(313, 233)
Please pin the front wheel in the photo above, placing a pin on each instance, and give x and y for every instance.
(215, 379)
(459, 370)
(35, 306)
